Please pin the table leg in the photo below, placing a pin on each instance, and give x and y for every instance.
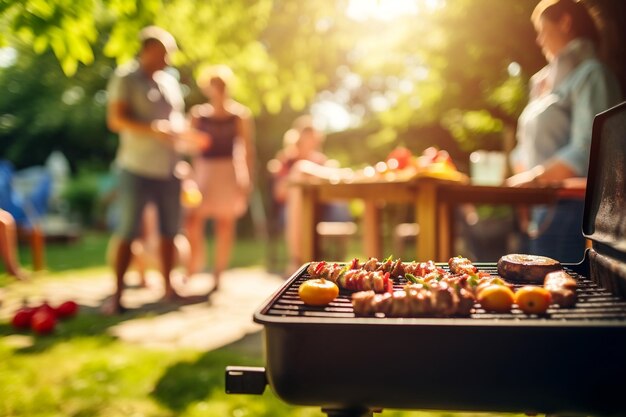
(309, 243)
(446, 232)
(426, 216)
(371, 230)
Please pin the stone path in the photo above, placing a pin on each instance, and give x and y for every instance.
(225, 318)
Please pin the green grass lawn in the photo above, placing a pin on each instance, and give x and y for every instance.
(81, 371)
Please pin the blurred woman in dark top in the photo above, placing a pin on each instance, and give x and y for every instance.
(222, 171)
(554, 131)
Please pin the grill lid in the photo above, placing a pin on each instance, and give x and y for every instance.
(605, 200)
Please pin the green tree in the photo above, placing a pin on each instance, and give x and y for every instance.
(42, 110)
(443, 66)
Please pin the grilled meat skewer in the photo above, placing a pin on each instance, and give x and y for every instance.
(397, 268)
(458, 265)
(415, 300)
(373, 264)
(352, 279)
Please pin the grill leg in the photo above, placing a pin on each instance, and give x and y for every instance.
(350, 412)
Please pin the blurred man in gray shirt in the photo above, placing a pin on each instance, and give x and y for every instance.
(146, 108)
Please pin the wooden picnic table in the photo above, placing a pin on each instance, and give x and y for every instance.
(450, 196)
(433, 200)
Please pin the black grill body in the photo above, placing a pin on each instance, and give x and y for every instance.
(569, 361)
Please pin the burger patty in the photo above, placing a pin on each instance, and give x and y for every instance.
(526, 268)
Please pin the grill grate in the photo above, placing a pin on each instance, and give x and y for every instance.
(594, 304)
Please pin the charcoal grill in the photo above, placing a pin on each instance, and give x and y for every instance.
(570, 361)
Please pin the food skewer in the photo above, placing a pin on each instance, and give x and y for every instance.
(415, 300)
(433, 292)
(352, 279)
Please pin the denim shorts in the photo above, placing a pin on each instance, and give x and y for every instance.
(135, 192)
(561, 237)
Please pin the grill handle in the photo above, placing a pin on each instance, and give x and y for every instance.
(245, 380)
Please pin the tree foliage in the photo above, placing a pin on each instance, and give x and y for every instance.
(41, 110)
(451, 66)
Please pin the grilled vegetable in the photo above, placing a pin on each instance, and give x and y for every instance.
(485, 282)
(318, 292)
(532, 299)
(529, 268)
(497, 298)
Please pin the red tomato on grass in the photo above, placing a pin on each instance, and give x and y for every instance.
(43, 321)
(23, 317)
(66, 309)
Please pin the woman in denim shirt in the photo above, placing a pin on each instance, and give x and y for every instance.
(554, 130)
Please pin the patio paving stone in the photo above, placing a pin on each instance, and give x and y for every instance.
(205, 324)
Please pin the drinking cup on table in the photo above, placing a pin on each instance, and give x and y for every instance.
(487, 167)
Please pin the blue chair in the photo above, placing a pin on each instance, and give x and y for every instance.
(27, 209)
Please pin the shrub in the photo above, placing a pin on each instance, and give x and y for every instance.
(81, 195)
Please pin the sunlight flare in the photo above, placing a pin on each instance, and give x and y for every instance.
(388, 10)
